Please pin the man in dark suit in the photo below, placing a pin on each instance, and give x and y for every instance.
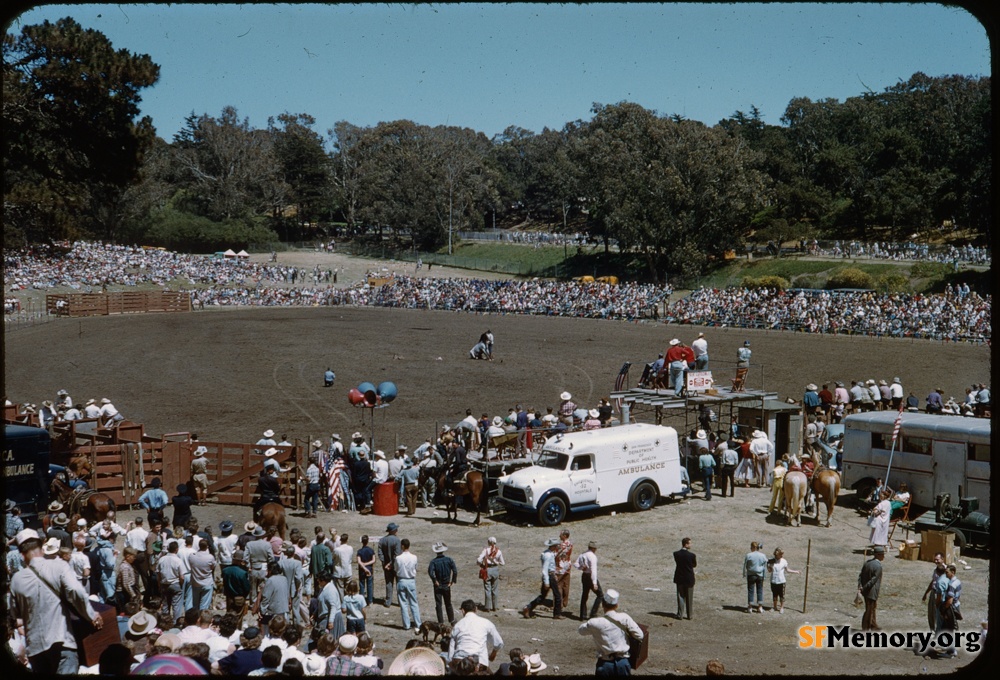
(869, 583)
(684, 578)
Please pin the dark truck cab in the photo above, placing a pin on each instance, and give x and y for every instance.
(26, 470)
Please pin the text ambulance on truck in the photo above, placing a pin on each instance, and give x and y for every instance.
(635, 464)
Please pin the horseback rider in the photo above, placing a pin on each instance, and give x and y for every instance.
(268, 488)
(456, 464)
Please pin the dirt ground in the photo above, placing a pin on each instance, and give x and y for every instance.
(230, 374)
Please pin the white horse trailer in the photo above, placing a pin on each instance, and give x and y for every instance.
(933, 455)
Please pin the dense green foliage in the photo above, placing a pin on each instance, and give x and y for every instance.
(674, 195)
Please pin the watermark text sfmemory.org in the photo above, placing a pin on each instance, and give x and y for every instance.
(843, 637)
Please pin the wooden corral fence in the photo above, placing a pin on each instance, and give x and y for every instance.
(128, 302)
(125, 460)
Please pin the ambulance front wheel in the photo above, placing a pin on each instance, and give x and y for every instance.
(552, 511)
(643, 497)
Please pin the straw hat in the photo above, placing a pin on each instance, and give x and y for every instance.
(61, 519)
(417, 661)
(249, 527)
(55, 506)
(811, 386)
(141, 623)
(565, 396)
(535, 664)
(549, 542)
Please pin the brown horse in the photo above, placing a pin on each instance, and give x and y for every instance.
(92, 505)
(473, 486)
(826, 486)
(272, 515)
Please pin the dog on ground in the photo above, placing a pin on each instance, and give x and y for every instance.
(432, 630)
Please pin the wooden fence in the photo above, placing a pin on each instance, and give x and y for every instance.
(129, 302)
(125, 460)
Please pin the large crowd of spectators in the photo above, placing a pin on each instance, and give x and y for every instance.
(909, 251)
(88, 266)
(958, 314)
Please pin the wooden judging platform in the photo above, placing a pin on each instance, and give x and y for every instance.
(666, 399)
(128, 302)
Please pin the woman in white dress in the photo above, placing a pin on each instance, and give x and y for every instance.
(879, 520)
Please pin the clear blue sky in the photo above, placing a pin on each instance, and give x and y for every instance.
(488, 66)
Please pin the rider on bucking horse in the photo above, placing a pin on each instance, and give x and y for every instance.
(457, 462)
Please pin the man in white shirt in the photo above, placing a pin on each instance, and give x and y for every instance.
(474, 636)
(109, 414)
(92, 410)
(587, 563)
(226, 544)
(406, 586)
(170, 571)
(343, 564)
(381, 468)
(136, 537)
(700, 348)
(184, 552)
(611, 634)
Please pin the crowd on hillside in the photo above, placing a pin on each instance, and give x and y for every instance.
(90, 266)
(958, 314)
(881, 250)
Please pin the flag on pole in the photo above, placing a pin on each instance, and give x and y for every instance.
(899, 421)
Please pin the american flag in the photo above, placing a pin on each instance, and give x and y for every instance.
(899, 421)
(332, 467)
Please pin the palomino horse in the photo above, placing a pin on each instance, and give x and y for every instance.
(473, 486)
(795, 487)
(272, 515)
(92, 505)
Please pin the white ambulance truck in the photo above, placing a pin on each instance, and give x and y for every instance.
(634, 464)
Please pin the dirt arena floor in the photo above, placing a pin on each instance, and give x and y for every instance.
(230, 374)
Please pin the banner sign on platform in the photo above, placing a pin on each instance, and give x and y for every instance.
(699, 381)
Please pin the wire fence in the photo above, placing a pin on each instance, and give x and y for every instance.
(28, 314)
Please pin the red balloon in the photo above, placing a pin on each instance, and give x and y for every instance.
(355, 396)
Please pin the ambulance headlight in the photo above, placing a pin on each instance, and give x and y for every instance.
(529, 495)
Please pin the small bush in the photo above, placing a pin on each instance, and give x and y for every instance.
(929, 270)
(892, 283)
(850, 277)
(778, 282)
(811, 282)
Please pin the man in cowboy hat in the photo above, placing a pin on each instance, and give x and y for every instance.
(679, 357)
(236, 584)
(380, 468)
(110, 414)
(39, 595)
(358, 444)
(154, 499)
(59, 532)
(182, 503)
(91, 409)
(313, 477)
(265, 441)
(257, 554)
(700, 349)
(444, 574)
(199, 471)
(268, 486)
(13, 524)
(549, 582)
(869, 583)
(54, 508)
(763, 455)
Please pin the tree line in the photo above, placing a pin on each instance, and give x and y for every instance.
(676, 193)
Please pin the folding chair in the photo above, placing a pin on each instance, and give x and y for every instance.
(741, 376)
(902, 516)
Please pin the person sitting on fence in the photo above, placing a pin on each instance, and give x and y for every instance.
(110, 414)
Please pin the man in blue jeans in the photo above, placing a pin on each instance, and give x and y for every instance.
(754, 568)
(706, 461)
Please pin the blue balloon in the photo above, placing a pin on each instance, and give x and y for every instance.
(386, 391)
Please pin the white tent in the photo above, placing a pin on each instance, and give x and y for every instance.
(229, 253)
(243, 253)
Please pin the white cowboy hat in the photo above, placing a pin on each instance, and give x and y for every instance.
(81, 522)
(268, 433)
(439, 547)
(141, 623)
(565, 396)
(91, 401)
(759, 434)
(593, 413)
(700, 434)
(61, 519)
(811, 386)
(379, 453)
(549, 542)
(200, 451)
(62, 393)
(335, 436)
(249, 526)
(270, 452)
(498, 421)
(348, 642)
(55, 506)
(105, 400)
(51, 546)
(535, 664)
(317, 444)
(357, 435)
(675, 341)
(417, 661)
